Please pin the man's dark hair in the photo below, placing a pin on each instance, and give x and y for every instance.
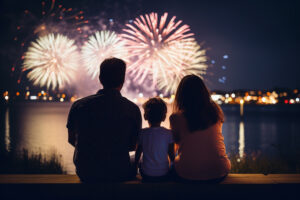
(155, 110)
(112, 72)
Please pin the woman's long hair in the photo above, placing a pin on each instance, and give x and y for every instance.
(194, 101)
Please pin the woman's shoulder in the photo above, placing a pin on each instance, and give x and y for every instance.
(178, 122)
(216, 127)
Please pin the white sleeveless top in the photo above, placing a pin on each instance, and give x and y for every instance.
(201, 154)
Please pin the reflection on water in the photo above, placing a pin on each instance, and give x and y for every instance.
(241, 139)
(41, 127)
(7, 131)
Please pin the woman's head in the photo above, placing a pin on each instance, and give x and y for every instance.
(194, 101)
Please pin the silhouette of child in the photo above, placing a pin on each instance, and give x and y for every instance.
(156, 143)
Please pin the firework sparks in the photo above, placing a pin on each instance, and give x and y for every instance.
(52, 61)
(102, 45)
(54, 19)
(162, 51)
(192, 61)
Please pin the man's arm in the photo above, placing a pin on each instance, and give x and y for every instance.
(72, 125)
(137, 128)
(71, 137)
(138, 153)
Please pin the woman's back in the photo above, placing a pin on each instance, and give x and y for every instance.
(201, 153)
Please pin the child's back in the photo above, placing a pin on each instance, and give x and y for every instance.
(155, 142)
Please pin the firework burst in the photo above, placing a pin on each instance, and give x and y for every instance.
(53, 19)
(52, 61)
(102, 45)
(162, 51)
(191, 60)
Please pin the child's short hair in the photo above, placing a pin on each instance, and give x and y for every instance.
(155, 110)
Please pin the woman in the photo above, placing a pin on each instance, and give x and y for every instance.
(197, 126)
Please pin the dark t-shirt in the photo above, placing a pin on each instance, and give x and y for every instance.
(104, 128)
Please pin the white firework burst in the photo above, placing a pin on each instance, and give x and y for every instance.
(102, 45)
(162, 51)
(191, 59)
(52, 61)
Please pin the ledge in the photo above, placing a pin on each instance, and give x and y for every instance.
(235, 186)
(73, 179)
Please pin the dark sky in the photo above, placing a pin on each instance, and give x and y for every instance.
(261, 38)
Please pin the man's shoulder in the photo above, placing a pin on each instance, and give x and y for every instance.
(129, 103)
(84, 101)
(92, 100)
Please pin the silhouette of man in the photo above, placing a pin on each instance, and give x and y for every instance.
(104, 127)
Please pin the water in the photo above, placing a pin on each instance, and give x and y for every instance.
(41, 127)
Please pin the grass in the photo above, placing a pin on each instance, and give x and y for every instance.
(257, 163)
(24, 162)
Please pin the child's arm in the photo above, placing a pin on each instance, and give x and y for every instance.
(171, 152)
(138, 153)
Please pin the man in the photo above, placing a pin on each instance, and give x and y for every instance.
(104, 127)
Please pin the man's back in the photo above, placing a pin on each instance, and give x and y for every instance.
(106, 126)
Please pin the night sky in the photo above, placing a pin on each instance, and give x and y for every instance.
(261, 38)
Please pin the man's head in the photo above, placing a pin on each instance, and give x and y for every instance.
(155, 110)
(112, 73)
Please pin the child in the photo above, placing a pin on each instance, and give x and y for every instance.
(156, 143)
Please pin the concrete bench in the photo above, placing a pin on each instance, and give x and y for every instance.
(235, 186)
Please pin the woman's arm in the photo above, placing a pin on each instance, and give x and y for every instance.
(171, 152)
(175, 127)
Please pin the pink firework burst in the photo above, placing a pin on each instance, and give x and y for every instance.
(160, 51)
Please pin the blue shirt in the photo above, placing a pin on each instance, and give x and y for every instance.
(155, 142)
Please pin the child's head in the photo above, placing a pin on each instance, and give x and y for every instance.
(155, 110)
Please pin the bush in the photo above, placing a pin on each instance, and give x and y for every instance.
(30, 163)
(258, 163)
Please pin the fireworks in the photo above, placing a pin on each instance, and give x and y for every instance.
(54, 18)
(162, 51)
(192, 62)
(159, 51)
(52, 61)
(101, 45)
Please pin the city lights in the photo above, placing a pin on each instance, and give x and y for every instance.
(33, 97)
(292, 101)
(233, 97)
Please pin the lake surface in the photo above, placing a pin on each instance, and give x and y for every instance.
(41, 127)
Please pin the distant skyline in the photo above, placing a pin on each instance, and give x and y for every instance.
(261, 38)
